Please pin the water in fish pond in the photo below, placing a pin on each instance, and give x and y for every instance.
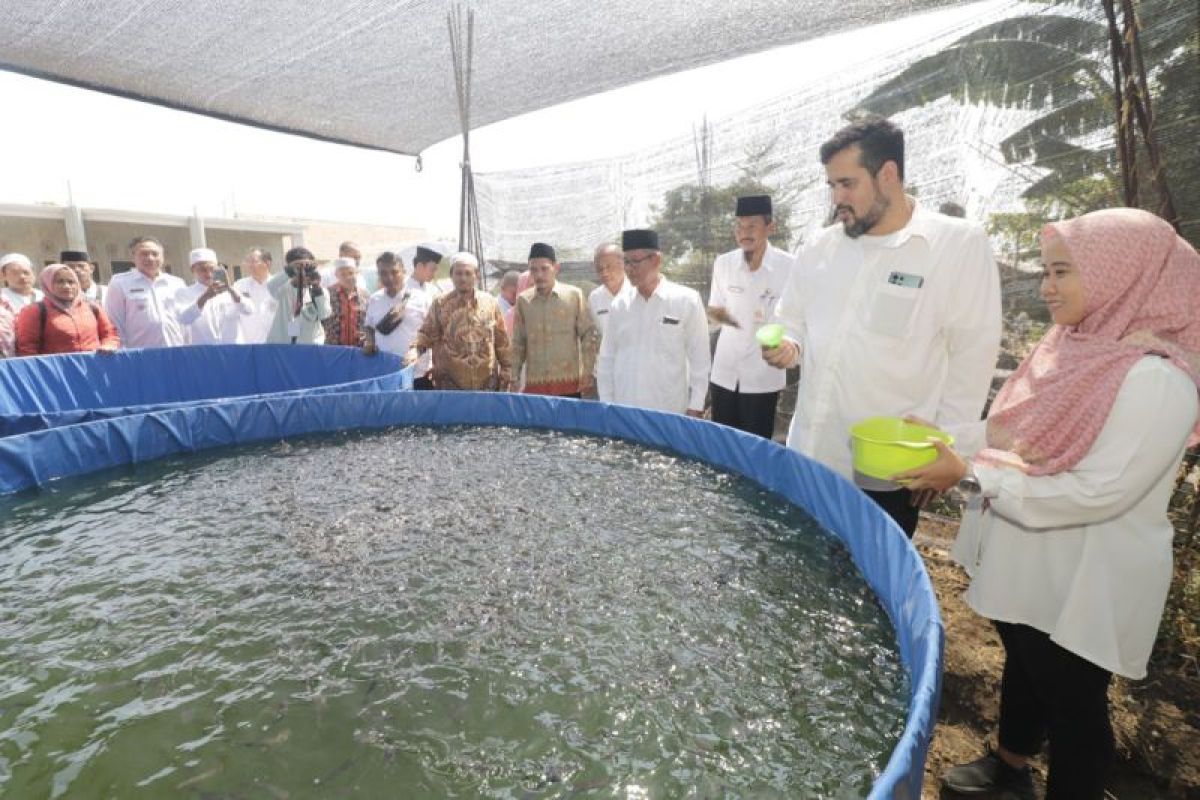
(469, 612)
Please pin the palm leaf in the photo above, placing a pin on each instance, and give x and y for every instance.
(1085, 115)
(1168, 26)
(1081, 36)
(1061, 184)
(1071, 160)
(1010, 73)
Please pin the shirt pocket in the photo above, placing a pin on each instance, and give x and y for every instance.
(669, 334)
(892, 309)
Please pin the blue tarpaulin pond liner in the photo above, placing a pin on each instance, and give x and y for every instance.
(49, 391)
(886, 559)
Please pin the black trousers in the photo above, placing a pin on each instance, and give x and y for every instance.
(752, 413)
(898, 505)
(424, 383)
(1048, 692)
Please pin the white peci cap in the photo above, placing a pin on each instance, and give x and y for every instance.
(202, 254)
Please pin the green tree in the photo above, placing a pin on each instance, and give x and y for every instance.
(680, 218)
(1018, 231)
(1060, 64)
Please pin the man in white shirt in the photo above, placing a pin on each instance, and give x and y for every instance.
(608, 261)
(257, 269)
(211, 308)
(79, 261)
(894, 311)
(746, 286)
(395, 312)
(302, 303)
(19, 290)
(142, 302)
(425, 266)
(655, 350)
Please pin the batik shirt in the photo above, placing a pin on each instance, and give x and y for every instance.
(334, 324)
(470, 345)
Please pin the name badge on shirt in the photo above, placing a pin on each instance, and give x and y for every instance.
(602, 311)
(670, 320)
(905, 279)
(138, 290)
(736, 289)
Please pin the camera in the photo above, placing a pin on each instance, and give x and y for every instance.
(220, 276)
(309, 268)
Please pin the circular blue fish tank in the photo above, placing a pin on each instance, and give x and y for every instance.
(885, 558)
(49, 391)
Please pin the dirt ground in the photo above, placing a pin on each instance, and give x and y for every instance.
(1156, 721)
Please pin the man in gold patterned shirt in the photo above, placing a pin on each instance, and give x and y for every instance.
(554, 333)
(466, 333)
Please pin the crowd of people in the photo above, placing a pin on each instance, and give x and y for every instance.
(892, 310)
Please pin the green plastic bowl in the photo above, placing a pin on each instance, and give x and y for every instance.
(770, 336)
(884, 446)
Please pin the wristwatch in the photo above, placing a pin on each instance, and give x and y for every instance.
(969, 484)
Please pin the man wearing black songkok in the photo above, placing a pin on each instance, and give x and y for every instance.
(79, 261)
(655, 348)
(747, 282)
(554, 336)
(425, 266)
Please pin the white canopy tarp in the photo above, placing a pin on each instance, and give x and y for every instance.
(378, 73)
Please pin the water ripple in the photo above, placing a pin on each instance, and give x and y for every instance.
(480, 612)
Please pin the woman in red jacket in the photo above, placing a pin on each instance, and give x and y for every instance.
(64, 321)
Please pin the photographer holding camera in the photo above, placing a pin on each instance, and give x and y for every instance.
(302, 303)
(210, 308)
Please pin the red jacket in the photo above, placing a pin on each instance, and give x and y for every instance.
(84, 328)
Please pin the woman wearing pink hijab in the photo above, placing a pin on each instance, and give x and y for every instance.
(1066, 535)
(64, 321)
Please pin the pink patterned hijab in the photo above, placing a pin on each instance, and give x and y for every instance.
(47, 276)
(1142, 296)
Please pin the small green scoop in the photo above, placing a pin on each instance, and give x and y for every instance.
(770, 336)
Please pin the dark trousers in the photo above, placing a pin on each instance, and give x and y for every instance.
(424, 383)
(898, 505)
(752, 413)
(1049, 692)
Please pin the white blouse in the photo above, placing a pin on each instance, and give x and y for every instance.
(1085, 555)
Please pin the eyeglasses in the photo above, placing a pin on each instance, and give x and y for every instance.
(633, 262)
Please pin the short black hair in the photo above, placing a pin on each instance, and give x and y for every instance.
(264, 255)
(878, 140)
(389, 258)
(298, 254)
